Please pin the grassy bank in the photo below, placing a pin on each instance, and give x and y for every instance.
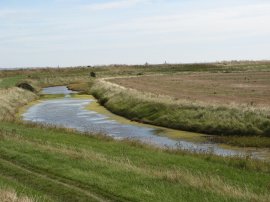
(11, 99)
(156, 110)
(242, 141)
(56, 165)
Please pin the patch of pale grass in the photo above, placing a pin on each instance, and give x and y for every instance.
(7, 195)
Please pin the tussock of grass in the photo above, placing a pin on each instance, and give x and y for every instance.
(11, 99)
(149, 108)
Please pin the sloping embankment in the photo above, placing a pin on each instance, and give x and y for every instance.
(162, 111)
(11, 99)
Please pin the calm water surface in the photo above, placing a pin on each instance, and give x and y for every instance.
(72, 113)
(57, 90)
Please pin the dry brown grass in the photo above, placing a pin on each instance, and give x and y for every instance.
(7, 195)
(58, 80)
(11, 99)
(46, 81)
(114, 87)
(243, 88)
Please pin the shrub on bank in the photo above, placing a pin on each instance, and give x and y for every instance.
(26, 86)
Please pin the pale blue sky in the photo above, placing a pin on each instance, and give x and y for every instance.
(80, 32)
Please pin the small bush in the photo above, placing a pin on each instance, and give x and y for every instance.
(26, 86)
(92, 74)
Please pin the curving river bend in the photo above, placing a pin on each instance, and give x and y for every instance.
(71, 112)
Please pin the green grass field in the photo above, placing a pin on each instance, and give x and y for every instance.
(56, 165)
(11, 81)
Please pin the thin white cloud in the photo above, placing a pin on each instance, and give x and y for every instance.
(215, 24)
(114, 5)
(242, 20)
(7, 12)
(16, 14)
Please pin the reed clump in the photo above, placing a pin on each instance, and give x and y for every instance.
(12, 99)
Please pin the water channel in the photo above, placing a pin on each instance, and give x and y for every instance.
(75, 112)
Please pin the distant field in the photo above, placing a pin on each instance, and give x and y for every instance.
(250, 88)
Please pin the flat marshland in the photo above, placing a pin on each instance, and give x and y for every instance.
(228, 100)
(237, 88)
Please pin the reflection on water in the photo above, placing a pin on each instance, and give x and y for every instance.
(71, 113)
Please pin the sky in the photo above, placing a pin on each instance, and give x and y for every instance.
(41, 33)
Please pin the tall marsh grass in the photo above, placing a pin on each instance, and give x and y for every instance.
(58, 80)
(183, 115)
(11, 99)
